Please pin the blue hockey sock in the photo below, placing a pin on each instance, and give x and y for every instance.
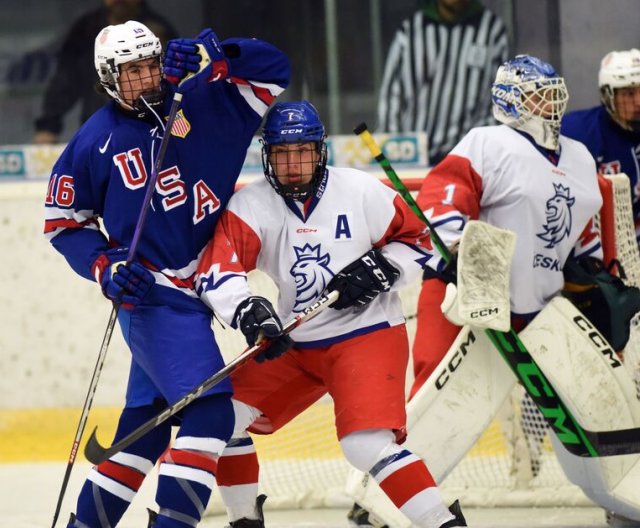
(110, 486)
(187, 471)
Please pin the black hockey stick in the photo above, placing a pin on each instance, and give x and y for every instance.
(96, 453)
(177, 97)
(575, 438)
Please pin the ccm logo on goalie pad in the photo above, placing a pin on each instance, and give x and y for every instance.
(454, 362)
(485, 312)
(596, 338)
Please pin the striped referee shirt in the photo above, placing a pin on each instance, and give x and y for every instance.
(438, 76)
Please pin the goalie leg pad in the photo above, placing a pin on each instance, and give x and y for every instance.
(599, 392)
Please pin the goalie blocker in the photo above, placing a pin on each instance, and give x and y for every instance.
(473, 379)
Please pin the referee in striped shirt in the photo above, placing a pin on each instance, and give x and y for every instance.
(439, 71)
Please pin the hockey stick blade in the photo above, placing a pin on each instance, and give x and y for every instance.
(573, 436)
(97, 454)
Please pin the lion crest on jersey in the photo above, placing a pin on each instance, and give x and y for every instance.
(311, 273)
(558, 223)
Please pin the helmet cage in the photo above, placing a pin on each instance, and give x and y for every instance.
(120, 44)
(529, 96)
(299, 192)
(619, 69)
(291, 123)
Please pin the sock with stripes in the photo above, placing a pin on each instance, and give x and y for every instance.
(238, 471)
(111, 486)
(188, 470)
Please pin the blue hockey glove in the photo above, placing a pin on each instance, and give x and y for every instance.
(190, 63)
(125, 284)
(362, 280)
(256, 318)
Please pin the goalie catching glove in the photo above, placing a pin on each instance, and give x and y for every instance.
(120, 282)
(602, 297)
(191, 62)
(256, 318)
(363, 280)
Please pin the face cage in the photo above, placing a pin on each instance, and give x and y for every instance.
(608, 98)
(142, 102)
(295, 192)
(546, 100)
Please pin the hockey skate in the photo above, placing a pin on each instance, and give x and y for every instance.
(459, 518)
(358, 516)
(618, 521)
(252, 523)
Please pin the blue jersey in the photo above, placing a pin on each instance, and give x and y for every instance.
(614, 149)
(105, 167)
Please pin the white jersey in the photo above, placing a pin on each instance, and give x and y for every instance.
(497, 175)
(301, 247)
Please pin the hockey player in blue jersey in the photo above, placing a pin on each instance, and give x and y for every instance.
(103, 174)
(611, 130)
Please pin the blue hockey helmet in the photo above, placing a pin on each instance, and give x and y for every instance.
(529, 95)
(288, 123)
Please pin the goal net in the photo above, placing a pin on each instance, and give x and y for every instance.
(301, 466)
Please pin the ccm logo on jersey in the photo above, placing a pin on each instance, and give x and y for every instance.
(306, 230)
(596, 338)
(454, 362)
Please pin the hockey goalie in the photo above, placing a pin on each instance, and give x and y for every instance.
(568, 354)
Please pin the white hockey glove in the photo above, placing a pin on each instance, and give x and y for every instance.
(482, 297)
(449, 305)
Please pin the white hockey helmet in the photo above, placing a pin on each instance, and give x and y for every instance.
(118, 44)
(529, 95)
(619, 69)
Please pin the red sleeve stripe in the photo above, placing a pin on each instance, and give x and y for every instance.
(238, 469)
(52, 225)
(264, 94)
(193, 460)
(127, 476)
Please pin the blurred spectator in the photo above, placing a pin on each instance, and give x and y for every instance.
(611, 130)
(75, 76)
(439, 71)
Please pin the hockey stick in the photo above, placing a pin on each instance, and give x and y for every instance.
(96, 453)
(575, 438)
(177, 97)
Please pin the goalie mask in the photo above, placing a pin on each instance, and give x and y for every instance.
(294, 153)
(619, 82)
(121, 44)
(528, 95)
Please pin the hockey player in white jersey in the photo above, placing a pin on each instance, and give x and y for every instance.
(314, 228)
(522, 176)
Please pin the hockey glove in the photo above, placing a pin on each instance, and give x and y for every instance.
(602, 297)
(257, 319)
(190, 63)
(361, 281)
(125, 284)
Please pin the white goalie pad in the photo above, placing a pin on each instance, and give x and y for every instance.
(465, 392)
(483, 275)
(599, 392)
(445, 417)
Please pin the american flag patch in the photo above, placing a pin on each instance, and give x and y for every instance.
(181, 126)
